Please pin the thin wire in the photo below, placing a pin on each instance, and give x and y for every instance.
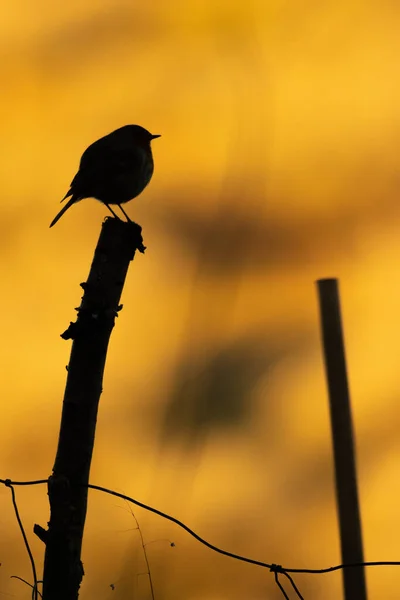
(379, 563)
(8, 482)
(296, 589)
(177, 522)
(271, 567)
(35, 581)
(280, 586)
(24, 581)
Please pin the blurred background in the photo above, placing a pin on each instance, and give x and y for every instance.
(277, 165)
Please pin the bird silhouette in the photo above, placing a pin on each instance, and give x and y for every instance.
(114, 169)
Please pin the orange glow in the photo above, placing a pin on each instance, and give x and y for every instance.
(277, 165)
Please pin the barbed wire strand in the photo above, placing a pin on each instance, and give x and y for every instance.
(8, 483)
(276, 569)
(376, 563)
(180, 524)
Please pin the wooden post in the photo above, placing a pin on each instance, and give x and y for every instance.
(63, 570)
(343, 445)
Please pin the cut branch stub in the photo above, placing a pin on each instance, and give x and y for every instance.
(90, 333)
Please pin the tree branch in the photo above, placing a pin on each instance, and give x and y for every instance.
(63, 570)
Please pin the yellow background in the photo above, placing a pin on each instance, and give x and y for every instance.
(278, 164)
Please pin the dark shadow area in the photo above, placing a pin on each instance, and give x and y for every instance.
(240, 237)
(215, 393)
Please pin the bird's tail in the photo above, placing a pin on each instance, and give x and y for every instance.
(70, 202)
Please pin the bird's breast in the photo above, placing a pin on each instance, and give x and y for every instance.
(132, 180)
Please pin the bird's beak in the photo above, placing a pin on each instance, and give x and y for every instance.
(153, 137)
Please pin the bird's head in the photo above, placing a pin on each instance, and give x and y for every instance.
(137, 134)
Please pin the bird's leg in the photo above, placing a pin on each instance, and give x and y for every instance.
(111, 210)
(128, 219)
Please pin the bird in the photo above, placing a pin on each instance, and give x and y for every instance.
(114, 169)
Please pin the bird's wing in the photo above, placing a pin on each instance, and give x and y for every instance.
(96, 152)
(103, 163)
(107, 160)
